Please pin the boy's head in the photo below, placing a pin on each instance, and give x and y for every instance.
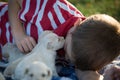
(95, 42)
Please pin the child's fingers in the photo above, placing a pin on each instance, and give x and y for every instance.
(33, 42)
(30, 42)
(20, 47)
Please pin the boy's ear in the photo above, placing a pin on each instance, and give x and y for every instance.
(49, 45)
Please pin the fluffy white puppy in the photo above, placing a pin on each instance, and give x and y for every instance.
(45, 51)
(37, 71)
(11, 52)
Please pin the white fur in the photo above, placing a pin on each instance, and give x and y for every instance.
(37, 71)
(45, 52)
(1, 76)
(11, 52)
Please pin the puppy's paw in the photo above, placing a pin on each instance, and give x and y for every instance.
(8, 72)
(1, 77)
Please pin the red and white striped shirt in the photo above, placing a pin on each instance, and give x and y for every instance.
(40, 15)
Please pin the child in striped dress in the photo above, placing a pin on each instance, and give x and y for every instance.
(21, 21)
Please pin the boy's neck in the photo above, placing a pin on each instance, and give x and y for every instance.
(88, 75)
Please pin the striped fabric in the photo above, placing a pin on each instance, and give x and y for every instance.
(40, 15)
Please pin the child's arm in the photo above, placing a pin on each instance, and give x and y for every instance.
(24, 43)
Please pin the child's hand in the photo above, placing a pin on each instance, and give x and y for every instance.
(25, 43)
(113, 73)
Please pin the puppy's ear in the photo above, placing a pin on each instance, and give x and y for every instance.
(43, 34)
(8, 72)
(49, 45)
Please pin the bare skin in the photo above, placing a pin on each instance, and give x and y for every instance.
(88, 75)
(24, 42)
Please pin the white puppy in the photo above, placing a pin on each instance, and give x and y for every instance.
(45, 51)
(11, 52)
(37, 71)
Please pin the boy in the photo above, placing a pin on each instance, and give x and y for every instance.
(93, 43)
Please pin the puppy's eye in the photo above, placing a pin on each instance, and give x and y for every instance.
(31, 75)
(43, 75)
(60, 38)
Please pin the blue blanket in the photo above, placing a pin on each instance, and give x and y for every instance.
(66, 71)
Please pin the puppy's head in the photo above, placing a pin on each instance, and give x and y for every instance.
(7, 49)
(37, 71)
(51, 40)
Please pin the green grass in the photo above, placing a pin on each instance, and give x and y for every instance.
(89, 7)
